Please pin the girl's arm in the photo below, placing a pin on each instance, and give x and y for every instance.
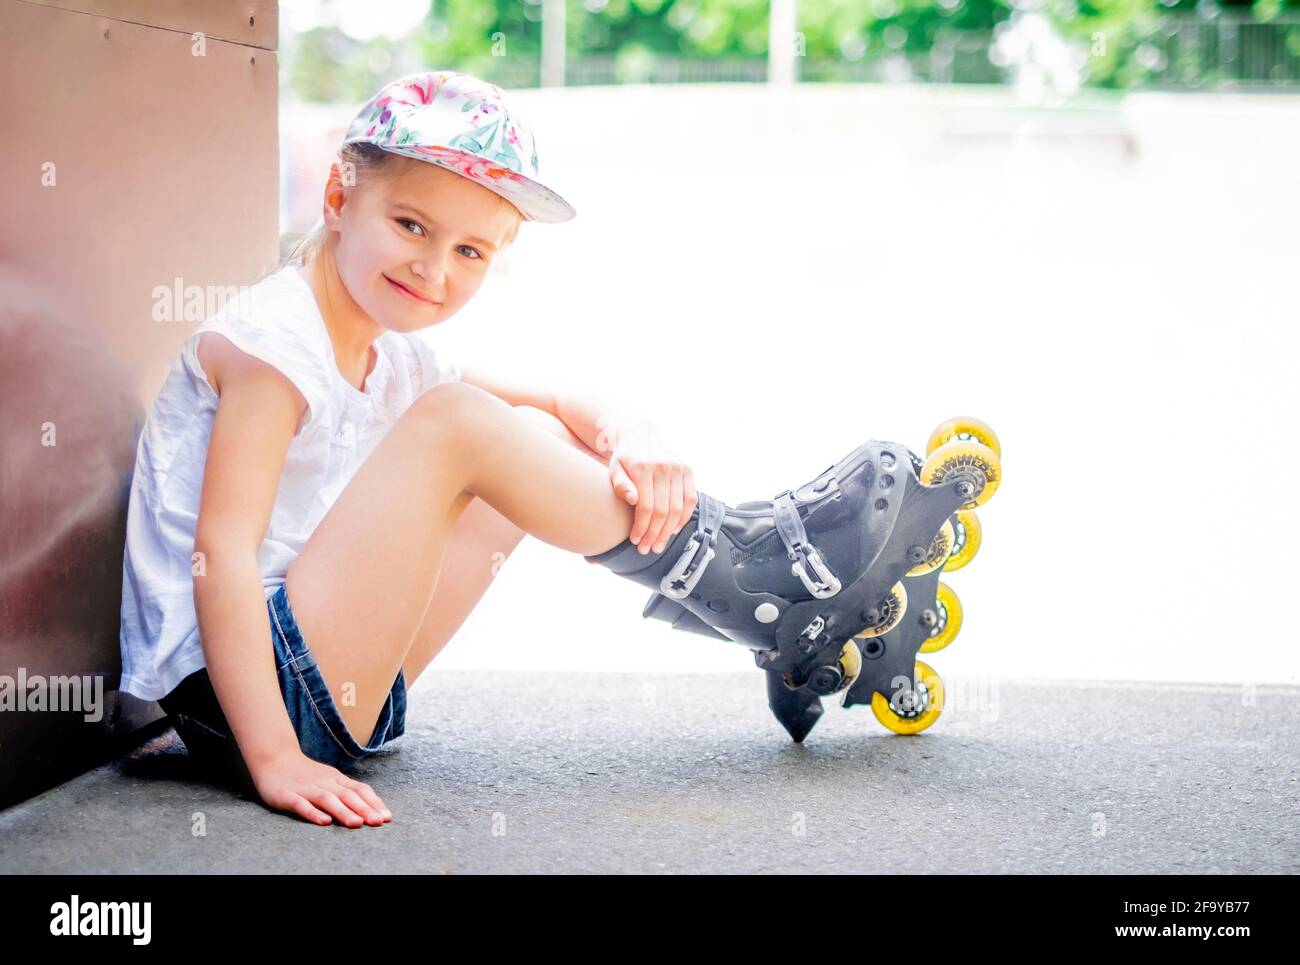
(589, 417)
(643, 470)
(510, 391)
(256, 418)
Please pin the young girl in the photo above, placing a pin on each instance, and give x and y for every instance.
(320, 498)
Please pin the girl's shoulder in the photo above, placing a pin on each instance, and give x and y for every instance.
(277, 321)
(279, 307)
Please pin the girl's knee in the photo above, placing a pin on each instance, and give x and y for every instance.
(453, 411)
(452, 397)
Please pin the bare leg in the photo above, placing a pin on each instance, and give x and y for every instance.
(480, 543)
(363, 582)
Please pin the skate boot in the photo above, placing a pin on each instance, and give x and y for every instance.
(811, 578)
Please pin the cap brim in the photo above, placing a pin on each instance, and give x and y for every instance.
(535, 201)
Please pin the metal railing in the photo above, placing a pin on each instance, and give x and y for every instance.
(1224, 51)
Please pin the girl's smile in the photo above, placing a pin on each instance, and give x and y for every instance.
(410, 294)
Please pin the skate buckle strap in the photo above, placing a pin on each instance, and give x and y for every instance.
(686, 572)
(801, 552)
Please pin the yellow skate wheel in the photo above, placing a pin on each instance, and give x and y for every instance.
(973, 460)
(894, 606)
(850, 664)
(949, 620)
(964, 427)
(943, 543)
(850, 667)
(915, 704)
(969, 534)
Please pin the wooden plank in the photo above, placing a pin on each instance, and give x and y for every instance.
(251, 22)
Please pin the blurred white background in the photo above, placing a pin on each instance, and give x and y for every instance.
(777, 276)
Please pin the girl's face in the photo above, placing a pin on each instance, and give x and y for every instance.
(415, 247)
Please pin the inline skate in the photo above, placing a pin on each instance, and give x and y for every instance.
(834, 585)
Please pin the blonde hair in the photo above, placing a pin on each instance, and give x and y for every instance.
(367, 161)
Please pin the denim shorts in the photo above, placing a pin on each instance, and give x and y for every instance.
(323, 736)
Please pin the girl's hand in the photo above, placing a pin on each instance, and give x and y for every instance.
(645, 472)
(314, 792)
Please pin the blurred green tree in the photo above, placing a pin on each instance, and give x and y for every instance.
(1127, 43)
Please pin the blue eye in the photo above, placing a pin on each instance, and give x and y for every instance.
(407, 221)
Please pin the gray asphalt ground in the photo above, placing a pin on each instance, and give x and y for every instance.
(687, 774)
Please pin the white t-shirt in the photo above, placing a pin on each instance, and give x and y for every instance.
(278, 321)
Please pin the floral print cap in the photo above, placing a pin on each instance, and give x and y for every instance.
(462, 124)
